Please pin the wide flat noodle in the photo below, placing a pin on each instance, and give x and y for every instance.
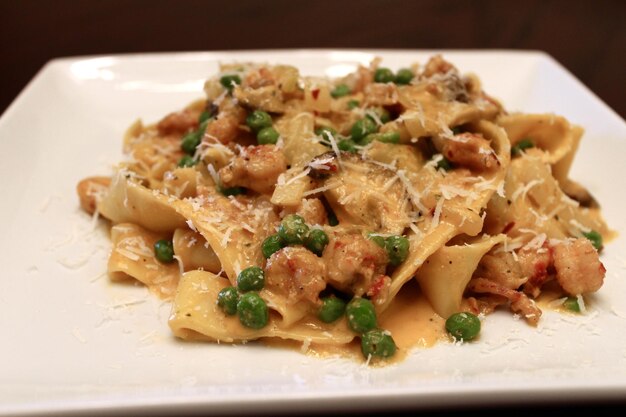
(126, 201)
(234, 230)
(458, 214)
(445, 274)
(195, 315)
(133, 257)
(534, 204)
(551, 133)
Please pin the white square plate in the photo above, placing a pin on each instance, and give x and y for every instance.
(72, 341)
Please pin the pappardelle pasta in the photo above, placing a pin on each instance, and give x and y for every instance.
(307, 209)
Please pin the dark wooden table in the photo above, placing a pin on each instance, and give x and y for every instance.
(588, 37)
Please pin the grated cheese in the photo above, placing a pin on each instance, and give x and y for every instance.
(523, 189)
(437, 214)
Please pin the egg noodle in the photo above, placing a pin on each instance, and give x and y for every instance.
(301, 208)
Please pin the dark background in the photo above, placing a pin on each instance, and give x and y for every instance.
(588, 37)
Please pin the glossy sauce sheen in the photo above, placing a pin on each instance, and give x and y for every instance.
(410, 319)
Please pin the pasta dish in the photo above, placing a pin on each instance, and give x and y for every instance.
(333, 212)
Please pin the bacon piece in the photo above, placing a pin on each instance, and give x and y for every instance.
(520, 303)
(538, 267)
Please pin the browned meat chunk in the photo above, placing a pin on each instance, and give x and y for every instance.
(297, 273)
(256, 168)
(178, 122)
(90, 190)
(520, 303)
(501, 268)
(578, 267)
(353, 262)
(537, 267)
(470, 151)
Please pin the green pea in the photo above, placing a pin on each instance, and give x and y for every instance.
(404, 76)
(332, 309)
(267, 136)
(383, 75)
(186, 161)
(352, 104)
(252, 311)
(293, 229)
(444, 164)
(347, 145)
(190, 142)
(229, 81)
(271, 244)
(361, 315)
(522, 145)
(379, 240)
(325, 132)
(164, 251)
(227, 300)
(381, 113)
(204, 116)
(340, 91)
(595, 238)
(387, 137)
(231, 191)
(258, 120)
(397, 249)
(463, 326)
(361, 128)
(202, 127)
(251, 279)
(378, 343)
(572, 304)
(316, 241)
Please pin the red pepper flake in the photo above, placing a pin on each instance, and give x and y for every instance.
(377, 286)
(315, 93)
(291, 264)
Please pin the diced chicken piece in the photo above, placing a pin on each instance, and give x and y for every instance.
(178, 122)
(312, 211)
(225, 127)
(520, 303)
(537, 267)
(445, 80)
(468, 150)
(261, 77)
(501, 268)
(353, 262)
(578, 267)
(256, 168)
(297, 273)
(90, 190)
